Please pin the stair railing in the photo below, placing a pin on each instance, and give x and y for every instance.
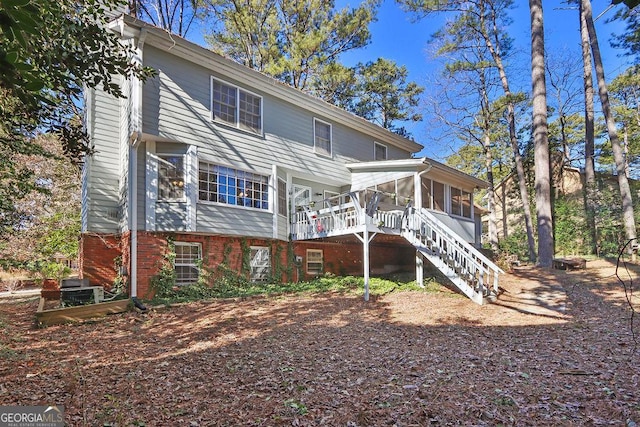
(432, 235)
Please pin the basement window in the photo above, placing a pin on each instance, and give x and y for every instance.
(314, 261)
(186, 264)
(260, 264)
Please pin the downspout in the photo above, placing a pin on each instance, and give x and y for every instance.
(135, 140)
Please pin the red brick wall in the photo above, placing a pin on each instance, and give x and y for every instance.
(98, 253)
(340, 258)
(346, 257)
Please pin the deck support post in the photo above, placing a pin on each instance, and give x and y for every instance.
(365, 242)
(419, 269)
(365, 239)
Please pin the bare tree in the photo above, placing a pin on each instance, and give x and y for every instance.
(485, 19)
(175, 16)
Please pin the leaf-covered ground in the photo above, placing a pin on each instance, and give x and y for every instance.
(555, 349)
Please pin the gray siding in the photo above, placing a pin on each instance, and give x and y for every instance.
(465, 228)
(124, 121)
(142, 186)
(177, 107)
(103, 182)
(171, 216)
(235, 221)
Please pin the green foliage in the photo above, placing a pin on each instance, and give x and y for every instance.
(629, 40)
(49, 51)
(385, 96)
(291, 40)
(515, 244)
(234, 286)
(570, 231)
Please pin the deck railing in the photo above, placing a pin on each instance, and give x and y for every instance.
(427, 232)
(474, 273)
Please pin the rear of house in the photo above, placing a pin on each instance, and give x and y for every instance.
(211, 163)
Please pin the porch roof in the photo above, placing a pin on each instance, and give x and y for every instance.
(396, 169)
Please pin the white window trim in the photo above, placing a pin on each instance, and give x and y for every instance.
(270, 203)
(183, 199)
(386, 151)
(308, 261)
(236, 125)
(176, 264)
(268, 266)
(315, 149)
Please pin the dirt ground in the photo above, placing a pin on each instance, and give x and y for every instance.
(555, 349)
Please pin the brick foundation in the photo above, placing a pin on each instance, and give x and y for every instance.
(98, 255)
(343, 257)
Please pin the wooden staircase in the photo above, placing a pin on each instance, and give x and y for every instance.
(475, 275)
(471, 272)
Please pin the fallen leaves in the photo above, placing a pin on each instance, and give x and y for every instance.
(549, 357)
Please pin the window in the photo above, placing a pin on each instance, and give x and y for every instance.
(314, 261)
(282, 198)
(379, 151)
(186, 263)
(233, 187)
(321, 137)
(170, 177)
(426, 193)
(438, 196)
(260, 264)
(456, 201)
(460, 202)
(466, 204)
(331, 198)
(236, 107)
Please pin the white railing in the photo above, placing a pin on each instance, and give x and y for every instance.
(471, 271)
(433, 236)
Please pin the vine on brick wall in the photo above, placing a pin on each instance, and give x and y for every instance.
(164, 283)
(245, 250)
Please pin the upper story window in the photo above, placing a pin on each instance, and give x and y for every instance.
(233, 187)
(236, 107)
(322, 137)
(170, 177)
(379, 151)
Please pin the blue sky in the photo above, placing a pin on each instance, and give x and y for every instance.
(396, 36)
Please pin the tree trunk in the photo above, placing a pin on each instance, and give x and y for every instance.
(625, 191)
(491, 195)
(540, 137)
(589, 144)
(513, 138)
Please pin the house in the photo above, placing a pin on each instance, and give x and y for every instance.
(225, 165)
